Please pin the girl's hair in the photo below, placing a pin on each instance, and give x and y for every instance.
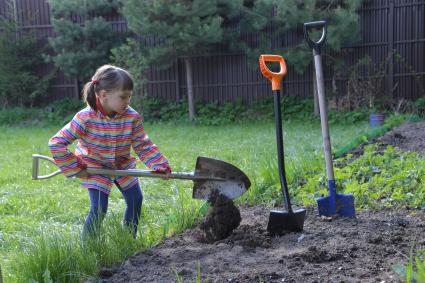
(106, 78)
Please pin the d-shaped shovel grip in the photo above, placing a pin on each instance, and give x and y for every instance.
(275, 78)
(316, 45)
(36, 167)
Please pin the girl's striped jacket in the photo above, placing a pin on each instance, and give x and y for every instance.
(105, 142)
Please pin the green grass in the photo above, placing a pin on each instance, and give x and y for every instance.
(40, 221)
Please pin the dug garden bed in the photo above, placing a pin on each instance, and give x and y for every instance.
(362, 249)
(409, 136)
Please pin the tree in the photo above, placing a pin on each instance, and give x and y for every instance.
(184, 28)
(283, 17)
(130, 55)
(80, 47)
(20, 56)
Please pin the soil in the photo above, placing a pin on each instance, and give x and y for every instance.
(361, 249)
(221, 219)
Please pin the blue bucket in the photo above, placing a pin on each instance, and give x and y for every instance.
(376, 119)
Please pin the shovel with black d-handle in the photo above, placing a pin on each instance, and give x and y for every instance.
(334, 204)
(289, 220)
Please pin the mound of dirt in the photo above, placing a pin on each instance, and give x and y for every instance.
(364, 249)
(409, 136)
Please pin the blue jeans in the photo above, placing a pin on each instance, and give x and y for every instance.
(99, 206)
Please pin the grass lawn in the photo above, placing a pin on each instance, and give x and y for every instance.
(33, 211)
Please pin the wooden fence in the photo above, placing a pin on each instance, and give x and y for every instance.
(386, 25)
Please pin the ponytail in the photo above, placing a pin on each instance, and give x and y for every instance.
(89, 95)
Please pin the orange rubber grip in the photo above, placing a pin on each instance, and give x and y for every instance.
(275, 78)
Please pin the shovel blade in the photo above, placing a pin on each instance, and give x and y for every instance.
(281, 222)
(342, 205)
(233, 182)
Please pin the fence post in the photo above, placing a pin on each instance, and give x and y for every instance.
(177, 80)
(76, 88)
(391, 49)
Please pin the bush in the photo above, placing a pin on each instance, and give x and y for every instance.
(19, 57)
(420, 106)
(59, 112)
(19, 115)
(62, 111)
(214, 114)
(208, 114)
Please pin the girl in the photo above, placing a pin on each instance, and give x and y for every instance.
(106, 130)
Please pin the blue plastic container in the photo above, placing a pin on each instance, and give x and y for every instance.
(376, 119)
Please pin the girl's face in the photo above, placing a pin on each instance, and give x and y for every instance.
(115, 101)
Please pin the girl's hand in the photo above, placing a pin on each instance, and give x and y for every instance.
(168, 174)
(82, 174)
(166, 171)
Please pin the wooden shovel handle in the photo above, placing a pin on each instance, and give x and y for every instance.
(275, 78)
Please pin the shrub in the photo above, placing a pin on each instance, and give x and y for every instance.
(59, 112)
(214, 114)
(420, 106)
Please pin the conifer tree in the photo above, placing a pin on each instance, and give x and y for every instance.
(20, 56)
(80, 47)
(185, 28)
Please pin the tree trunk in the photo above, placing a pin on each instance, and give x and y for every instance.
(335, 90)
(315, 95)
(189, 82)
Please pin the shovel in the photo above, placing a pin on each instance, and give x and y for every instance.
(334, 204)
(281, 221)
(210, 175)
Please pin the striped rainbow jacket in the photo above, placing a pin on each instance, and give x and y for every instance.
(104, 142)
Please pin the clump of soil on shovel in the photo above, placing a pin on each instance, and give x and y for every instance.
(222, 218)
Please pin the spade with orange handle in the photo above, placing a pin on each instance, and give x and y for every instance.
(289, 220)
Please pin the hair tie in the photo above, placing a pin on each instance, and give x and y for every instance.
(95, 82)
